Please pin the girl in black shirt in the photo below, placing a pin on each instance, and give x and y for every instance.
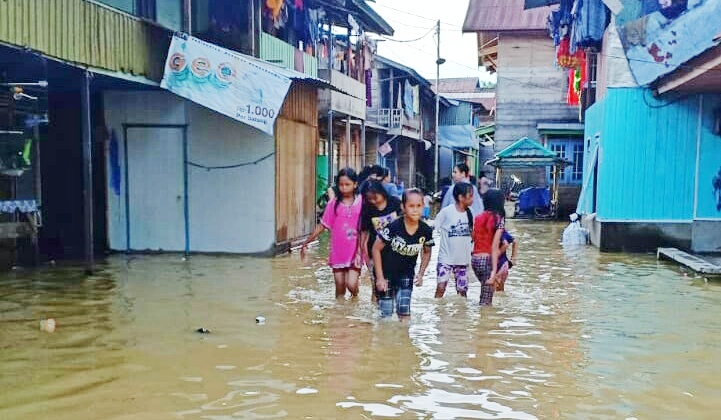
(379, 210)
(395, 256)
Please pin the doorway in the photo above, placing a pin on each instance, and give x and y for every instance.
(156, 200)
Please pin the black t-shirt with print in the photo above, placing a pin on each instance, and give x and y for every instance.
(376, 222)
(401, 250)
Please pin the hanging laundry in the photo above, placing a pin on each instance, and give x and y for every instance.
(590, 20)
(114, 152)
(564, 57)
(312, 21)
(27, 152)
(572, 96)
(417, 99)
(369, 88)
(275, 6)
(408, 99)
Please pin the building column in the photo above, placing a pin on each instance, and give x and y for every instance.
(331, 172)
(348, 142)
(363, 144)
(87, 171)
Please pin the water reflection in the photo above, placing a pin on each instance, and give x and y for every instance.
(576, 334)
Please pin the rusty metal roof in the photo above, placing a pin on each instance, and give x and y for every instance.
(504, 15)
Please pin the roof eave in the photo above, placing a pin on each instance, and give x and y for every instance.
(379, 26)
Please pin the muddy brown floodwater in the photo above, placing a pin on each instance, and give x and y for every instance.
(577, 334)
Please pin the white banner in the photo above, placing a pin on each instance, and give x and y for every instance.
(225, 81)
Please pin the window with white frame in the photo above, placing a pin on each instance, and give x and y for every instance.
(570, 149)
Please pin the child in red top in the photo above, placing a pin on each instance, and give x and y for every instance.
(488, 228)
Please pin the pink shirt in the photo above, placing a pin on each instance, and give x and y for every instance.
(343, 225)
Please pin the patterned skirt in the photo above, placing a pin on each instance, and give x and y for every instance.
(482, 268)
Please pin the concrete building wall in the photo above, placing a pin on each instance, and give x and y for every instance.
(230, 210)
(132, 108)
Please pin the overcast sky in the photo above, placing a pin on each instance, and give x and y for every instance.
(412, 19)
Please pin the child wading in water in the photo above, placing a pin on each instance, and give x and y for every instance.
(488, 228)
(504, 263)
(379, 210)
(341, 217)
(454, 255)
(395, 256)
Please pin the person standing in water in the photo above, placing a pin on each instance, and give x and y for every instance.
(341, 217)
(461, 174)
(395, 256)
(379, 210)
(488, 228)
(455, 224)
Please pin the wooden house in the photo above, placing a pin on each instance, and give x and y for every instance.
(402, 113)
(531, 90)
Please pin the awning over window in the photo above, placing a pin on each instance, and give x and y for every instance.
(457, 137)
(241, 87)
(563, 128)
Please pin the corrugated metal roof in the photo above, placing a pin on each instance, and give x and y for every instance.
(526, 152)
(86, 34)
(504, 15)
(457, 85)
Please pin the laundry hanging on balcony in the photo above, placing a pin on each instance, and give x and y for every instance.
(408, 99)
(241, 87)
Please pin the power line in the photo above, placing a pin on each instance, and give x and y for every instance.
(405, 24)
(409, 40)
(405, 12)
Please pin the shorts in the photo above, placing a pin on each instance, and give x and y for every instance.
(482, 267)
(397, 296)
(426, 212)
(460, 273)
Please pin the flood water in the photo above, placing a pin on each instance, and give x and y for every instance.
(577, 334)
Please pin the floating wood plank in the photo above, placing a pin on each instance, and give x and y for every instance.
(693, 262)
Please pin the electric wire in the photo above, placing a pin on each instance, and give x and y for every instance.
(237, 165)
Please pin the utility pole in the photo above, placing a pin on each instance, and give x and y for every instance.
(438, 96)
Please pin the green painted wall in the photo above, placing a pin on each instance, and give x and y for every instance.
(86, 34)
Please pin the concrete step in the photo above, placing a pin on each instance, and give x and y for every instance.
(695, 262)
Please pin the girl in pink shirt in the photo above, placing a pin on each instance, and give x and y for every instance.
(341, 217)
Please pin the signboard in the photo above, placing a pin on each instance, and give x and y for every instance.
(660, 35)
(227, 82)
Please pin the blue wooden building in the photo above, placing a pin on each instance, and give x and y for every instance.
(651, 166)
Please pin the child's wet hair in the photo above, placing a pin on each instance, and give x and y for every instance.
(461, 189)
(495, 201)
(374, 186)
(411, 191)
(348, 173)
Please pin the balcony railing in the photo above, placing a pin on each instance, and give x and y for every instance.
(281, 53)
(390, 118)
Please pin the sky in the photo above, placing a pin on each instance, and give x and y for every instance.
(412, 19)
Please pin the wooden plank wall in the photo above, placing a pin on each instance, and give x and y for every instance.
(301, 105)
(530, 88)
(296, 141)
